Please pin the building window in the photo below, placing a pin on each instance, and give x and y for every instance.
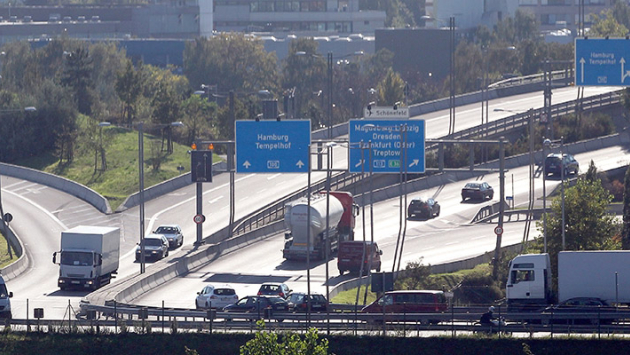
(528, 2)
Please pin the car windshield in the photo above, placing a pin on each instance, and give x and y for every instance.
(418, 202)
(76, 258)
(224, 292)
(472, 185)
(152, 242)
(3, 291)
(553, 160)
(270, 288)
(167, 230)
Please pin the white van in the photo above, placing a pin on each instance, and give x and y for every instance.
(5, 303)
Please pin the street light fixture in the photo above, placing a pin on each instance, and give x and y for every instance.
(329, 83)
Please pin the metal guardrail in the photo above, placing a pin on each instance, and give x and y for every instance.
(534, 78)
(521, 119)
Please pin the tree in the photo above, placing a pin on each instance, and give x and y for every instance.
(607, 25)
(199, 118)
(77, 75)
(289, 344)
(306, 73)
(625, 234)
(391, 89)
(588, 226)
(233, 62)
(129, 88)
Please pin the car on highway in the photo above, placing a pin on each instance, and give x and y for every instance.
(155, 247)
(173, 234)
(256, 306)
(477, 190)
(598, 311)
(423, 207)
(298, 302)
(212, 296)
(554, 164)
(408, 301)
(274, 289)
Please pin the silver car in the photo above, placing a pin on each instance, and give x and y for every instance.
(173, 234)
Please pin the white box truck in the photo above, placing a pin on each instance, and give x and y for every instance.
(88, 258)
(603, 274)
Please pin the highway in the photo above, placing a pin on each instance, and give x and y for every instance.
(55, 211)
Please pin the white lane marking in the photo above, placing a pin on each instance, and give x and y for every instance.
(63, 226)
(273, 176)
(215, 200)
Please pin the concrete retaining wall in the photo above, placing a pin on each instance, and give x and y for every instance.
(68, 186)
(17, 267)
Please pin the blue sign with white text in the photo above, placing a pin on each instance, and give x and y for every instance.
(273, 146)
(384, 142)
(602, 62)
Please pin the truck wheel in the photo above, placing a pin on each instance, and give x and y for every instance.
(378, 269)
(341, 272)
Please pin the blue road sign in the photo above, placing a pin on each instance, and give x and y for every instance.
(602, 62)
(387, 140)
(273, 146)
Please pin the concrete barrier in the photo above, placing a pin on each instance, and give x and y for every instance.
(14, 269)
(68, 186)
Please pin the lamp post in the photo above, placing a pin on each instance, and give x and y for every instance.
(551, 143)
(329, 84)
(5, 228)
(141, 190)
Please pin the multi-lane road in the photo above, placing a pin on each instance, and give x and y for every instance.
(41, 213)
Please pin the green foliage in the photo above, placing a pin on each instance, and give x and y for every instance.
(607, 23)
(588, 226)
(233, 62)
(288, 344)
(128, 88)
(390, 89)
(77, 75)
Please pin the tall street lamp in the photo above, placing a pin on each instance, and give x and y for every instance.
(4, 217)
(329, 84)
(141, 192)
(550, 144)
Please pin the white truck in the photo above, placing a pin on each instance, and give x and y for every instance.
(599, 274)
(88, 258)
(341, 211)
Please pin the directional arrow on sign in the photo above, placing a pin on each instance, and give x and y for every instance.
(247, 164)
(624, 74)
(582, 61)
(299, 164)
(414, 162)
(361, 161)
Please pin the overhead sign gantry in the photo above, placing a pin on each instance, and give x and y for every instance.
(602, 62)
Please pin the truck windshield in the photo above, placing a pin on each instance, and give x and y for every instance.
(77, 258)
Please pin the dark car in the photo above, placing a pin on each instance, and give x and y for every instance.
(572, 310)
(173, 234)
(256, 306)
(478, 190)
(424, 207)
(155, 247)
(554, 165)
(274, 289)
(298, 302)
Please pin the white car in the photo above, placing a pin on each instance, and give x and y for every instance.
(215, 297)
